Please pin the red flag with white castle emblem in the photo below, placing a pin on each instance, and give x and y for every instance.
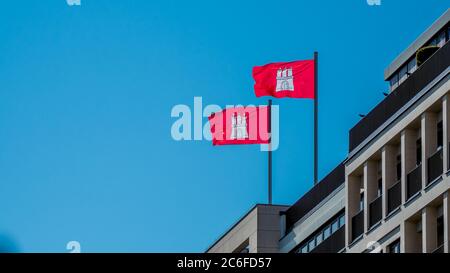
(280, 80)
(240, 125)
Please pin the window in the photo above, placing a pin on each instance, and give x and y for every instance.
(448, 33)
(441, 39)
(440, 231)
(322, 235)
(361, 202)
(394, 81)
(403, 74)
(304, 249)
(342, 221)
(327, 232)
(335, 226)
(380, 187)
(412, 66)
(312, 244)
(245, 250)
(433, 42)
(399, 167)
(440, 135)
(418, 151)
(319, 238)
(394, 247)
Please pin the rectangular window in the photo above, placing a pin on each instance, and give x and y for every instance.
(361, 202)
(334, 226)
(399, 167)
(394, 82)
(319, 238)
(433, 42)
(394, 247)
(304, 249)
(311, 245)
(418, 151)
(440, 135)
(441, 39)
(440, 231)
(342, 221)
(412, 66)
(245, 250)
(403, 74)
(448, 33)
(380, 187)
(327, 232)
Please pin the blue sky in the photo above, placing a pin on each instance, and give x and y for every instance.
(86, 93)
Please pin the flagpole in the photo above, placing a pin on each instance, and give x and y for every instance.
(270, 152)
(316, 112)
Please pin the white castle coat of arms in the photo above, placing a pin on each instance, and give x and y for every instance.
(285, 80)
(239, 127)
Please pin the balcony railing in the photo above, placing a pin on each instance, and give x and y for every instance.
(435, 166)
(375, 211)
(414, 181)
(394, 196)
(357, 225)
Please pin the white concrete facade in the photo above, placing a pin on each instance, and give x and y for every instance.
(415, 221)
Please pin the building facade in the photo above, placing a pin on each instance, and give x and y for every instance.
(258, 231)
(391, 194)
(396, 174)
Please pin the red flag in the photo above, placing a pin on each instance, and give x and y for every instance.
(240, 125)
(280, 80)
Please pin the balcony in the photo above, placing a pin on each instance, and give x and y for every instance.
(375, 211)
(394, 196)
(357, 225)
(414, 182)
(435, 166)
(426, 73)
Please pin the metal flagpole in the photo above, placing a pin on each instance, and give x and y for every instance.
(270, 151)
(316, 111)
